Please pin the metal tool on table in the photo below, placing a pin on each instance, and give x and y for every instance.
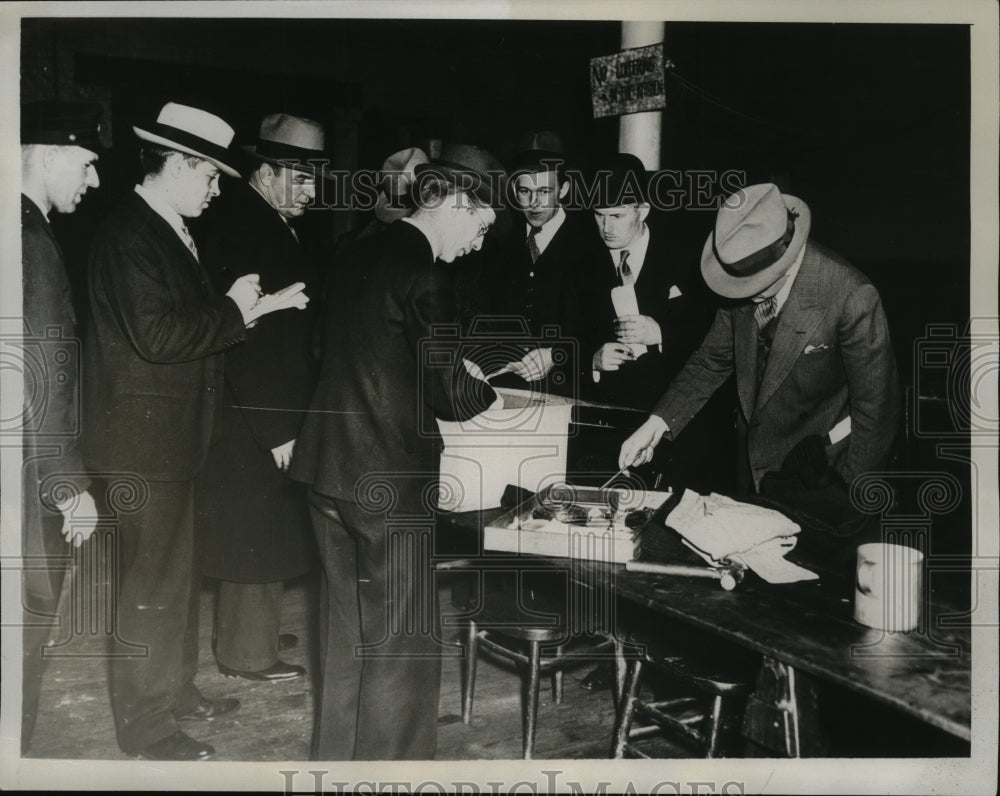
(729, 573)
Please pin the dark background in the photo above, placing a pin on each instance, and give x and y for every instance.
(868, 123)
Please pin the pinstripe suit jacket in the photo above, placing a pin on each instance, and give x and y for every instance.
(831, 358)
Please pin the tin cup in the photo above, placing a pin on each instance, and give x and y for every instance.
(888, 586)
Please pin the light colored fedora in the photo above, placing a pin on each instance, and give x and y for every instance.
(758, 234)
(194, 132)
(291, 141)
(471, 168)
(397, 176)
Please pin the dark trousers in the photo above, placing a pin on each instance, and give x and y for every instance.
(378, 701)
(41, 581)
(247, 618)
(157, 608)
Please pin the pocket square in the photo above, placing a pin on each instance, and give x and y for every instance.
(812, 349)
(674, 292)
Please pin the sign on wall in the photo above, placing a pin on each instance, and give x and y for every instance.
(628, 82)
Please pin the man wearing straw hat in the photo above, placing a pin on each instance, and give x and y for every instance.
(152, 380)
(369, 449)
(808, 343)
(253, 522)
(60, 146)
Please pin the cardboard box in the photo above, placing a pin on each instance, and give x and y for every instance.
(522, 444)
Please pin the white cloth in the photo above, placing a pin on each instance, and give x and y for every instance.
(718, 527)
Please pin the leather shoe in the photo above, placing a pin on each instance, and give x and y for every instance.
(599, 678)
(209, 709)
(177, 747)
(287, 641)
(277, 671)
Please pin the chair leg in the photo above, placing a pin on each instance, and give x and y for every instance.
(621, 669)
(469, 670)
(713, 731)
(530, 717)
(626, 709)
(557, 680)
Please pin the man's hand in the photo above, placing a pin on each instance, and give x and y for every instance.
(253, 304)
(534, 365)
(610, 356)
(79, 518)
(283, 455)
(638, 449)
(638, 329)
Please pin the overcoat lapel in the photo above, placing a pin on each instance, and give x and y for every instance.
(797, 321)
(745, 352)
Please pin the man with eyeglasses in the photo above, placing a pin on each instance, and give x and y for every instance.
(369, 449)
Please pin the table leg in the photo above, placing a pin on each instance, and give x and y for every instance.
(782, 714)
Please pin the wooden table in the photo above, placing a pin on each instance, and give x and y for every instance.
(804, 630)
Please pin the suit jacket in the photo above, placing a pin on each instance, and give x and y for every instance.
(831, 358)
(371, 425)
(683, 321)
(51, 420)
(253, 522)
(152, 376)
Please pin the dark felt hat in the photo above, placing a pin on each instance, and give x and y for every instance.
(537, 152)
(621, 181)
(62, 123)
(471, 168)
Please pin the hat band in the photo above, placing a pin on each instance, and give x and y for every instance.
(762, 258)
(208, 148)
(281, 151)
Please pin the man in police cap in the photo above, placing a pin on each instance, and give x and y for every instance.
(60, 146)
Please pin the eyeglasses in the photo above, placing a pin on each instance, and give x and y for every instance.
(483, 226)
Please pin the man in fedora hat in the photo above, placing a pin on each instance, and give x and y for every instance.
(369, 449)
(60, 146)
(252, 521)
(807, 341)
(152, 380)
(643, 310)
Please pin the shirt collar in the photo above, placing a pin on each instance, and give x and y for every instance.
(782, 295)
(636, 252)
(162, 209)
(548, 230)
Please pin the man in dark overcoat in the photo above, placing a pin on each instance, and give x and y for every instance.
(152, 378)
(60, 146)
(370, 450)
(632, 353)
(253, 521)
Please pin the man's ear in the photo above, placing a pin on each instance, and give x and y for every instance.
(266, 174)
(643, 211)
(174, 163)
(49, 155)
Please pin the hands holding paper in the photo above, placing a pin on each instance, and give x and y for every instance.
(638, 449)
(641, 329)
(610, 356)
(534, 365)
(254, 304)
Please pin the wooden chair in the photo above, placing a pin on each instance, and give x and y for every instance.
(529, 629)
(711, 728)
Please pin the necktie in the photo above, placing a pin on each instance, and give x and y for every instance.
(186, 236)
(624, 269)
(533, 244)
(765, 313)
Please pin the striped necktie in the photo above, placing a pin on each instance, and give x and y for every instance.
(186, 236)
(765, 313)
(533, 249)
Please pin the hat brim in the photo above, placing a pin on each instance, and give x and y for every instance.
(466, 179)
(309, 166)
(215, 155)
(387, 212)
(738, 287)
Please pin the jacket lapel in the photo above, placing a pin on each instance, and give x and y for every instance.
(745, 352)
(797, 321)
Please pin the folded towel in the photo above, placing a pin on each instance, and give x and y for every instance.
(718, 527)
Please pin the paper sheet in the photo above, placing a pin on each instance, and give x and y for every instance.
(625, 303)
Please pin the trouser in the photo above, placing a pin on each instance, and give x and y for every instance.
(41, 589)
(157, 608)
(247, 619)
(378, 701)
